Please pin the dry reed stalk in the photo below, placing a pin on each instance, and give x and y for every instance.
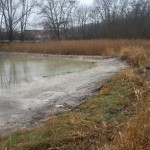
(83, 47)
(136, 134)
(136, 55)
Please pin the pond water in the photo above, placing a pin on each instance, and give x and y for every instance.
(17, 71)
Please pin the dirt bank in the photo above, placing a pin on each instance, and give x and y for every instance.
(26, 106)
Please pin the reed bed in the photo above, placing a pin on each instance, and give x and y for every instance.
(82, 47)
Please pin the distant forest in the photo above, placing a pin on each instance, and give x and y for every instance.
(67, 19)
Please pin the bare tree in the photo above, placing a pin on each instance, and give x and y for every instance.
(26, 10)
(56, 14)
(9, 9)
(82, 19)
(105, 8)
(13, 12)
(1, 19)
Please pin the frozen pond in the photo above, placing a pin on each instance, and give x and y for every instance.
(33, 87)
(15, 71)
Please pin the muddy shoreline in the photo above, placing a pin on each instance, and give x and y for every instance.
(40, 55)
(54, 95)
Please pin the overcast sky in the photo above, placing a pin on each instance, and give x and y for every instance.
(86, 2)
(32, 19)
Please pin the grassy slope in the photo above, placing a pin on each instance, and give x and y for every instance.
(135, 133)
(94, 124)
(103, 122)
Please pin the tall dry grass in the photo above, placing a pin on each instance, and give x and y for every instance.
(135, 55)
(136, 133)
(132, 50)
(83, 47)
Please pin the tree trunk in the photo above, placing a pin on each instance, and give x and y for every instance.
(22, 33)
(10, 30)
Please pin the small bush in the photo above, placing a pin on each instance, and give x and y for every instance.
(135, 55)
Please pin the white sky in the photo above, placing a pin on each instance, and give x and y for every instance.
(35, 22)
(86, 2)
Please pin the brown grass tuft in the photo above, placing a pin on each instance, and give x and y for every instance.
(135, 55)
(136, 133)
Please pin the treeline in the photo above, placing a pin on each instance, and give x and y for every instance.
(120, 19)
(67, 19)
(14, 15)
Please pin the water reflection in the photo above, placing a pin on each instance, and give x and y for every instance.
(12, 73)
(16, 71)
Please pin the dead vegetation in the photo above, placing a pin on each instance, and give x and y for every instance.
(116, 119)
(134, 55)
(135, 134)
(82, 47)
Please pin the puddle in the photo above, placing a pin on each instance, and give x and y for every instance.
(33, 87)
(17, 71)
